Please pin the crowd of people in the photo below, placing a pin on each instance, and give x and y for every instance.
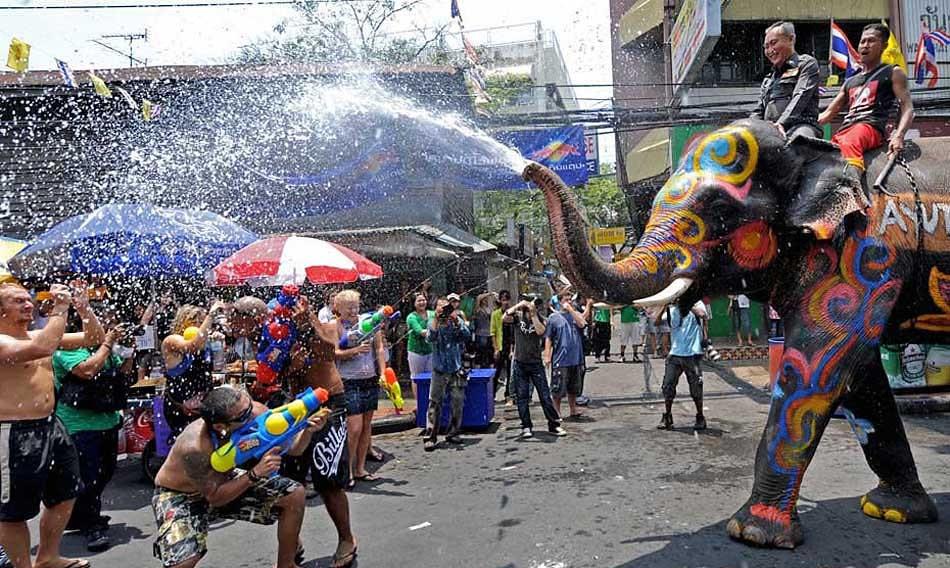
(68, 365)
(81, 358)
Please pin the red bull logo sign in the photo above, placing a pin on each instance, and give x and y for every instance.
(554, 152)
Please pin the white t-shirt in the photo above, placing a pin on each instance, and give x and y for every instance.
(325, 315)
(742, 300)
(146, 341)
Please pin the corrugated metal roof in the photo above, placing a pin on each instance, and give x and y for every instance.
(446, 234)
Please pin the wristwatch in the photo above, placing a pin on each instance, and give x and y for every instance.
(253, 476)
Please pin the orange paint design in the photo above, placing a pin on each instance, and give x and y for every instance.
(771, 513)
(753, 246)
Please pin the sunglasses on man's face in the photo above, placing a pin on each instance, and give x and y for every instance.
(245, 414)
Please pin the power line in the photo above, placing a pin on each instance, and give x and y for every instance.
(227, 3)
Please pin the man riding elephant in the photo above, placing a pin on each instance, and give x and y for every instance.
(870, 97)
(749, 211)
(789, 95)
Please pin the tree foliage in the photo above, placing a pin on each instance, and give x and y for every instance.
(504, 90)
(341, 32)
(601, 201)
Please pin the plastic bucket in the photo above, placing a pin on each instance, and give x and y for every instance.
(776, 350)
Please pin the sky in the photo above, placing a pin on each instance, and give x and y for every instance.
(212, 35)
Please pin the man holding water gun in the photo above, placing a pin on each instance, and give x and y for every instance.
(189, 493)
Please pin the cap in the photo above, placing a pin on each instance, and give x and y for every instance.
(453, 296)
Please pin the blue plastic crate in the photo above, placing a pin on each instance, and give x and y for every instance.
(479, 406)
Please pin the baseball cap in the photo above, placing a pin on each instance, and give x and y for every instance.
(453, 296)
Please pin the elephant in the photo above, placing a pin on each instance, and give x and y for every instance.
(748, 211)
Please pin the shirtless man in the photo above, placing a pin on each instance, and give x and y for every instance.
(327, 458)
(189, 494)
(37, 458)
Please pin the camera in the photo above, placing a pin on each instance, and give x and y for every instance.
(538, 302)
(446, 311)
(710, 351)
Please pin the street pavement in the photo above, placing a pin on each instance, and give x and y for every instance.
(615, 492)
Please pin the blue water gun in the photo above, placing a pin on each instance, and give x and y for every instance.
(276, 427)
(368, 325)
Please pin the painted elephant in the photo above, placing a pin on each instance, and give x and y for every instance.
(748, 212)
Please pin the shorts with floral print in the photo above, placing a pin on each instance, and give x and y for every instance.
(183, 518)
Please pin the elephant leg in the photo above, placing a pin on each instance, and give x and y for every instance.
(872, 412)
(797, 419)
(833, 331)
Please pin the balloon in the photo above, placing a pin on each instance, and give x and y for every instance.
(278, 331)
(190, 333)
(265, 374)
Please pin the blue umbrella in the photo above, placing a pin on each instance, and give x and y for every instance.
(133, 240)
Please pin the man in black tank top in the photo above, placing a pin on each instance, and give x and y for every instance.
(870, 97)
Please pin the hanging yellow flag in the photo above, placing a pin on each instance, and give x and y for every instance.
(18, 58)
(892, 53)
(99, 85)
(146, 110)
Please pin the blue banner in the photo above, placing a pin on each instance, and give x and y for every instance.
(483, 164)
(561, 149)
(374, 163)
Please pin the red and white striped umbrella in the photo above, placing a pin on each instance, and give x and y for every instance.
(278, 261)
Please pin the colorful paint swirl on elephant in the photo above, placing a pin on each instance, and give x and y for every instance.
(844, 313)
(722, 161)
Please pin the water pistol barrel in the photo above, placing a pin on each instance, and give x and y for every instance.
(368, 324)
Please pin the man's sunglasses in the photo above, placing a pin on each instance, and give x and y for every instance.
(245, 414)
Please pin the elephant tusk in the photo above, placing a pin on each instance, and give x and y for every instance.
(667, 295)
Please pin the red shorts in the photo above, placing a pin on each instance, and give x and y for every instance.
(857, 139)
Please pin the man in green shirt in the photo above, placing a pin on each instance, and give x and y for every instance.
(630, 333)
(91, 387)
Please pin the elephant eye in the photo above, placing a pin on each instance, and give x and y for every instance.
(720, 209)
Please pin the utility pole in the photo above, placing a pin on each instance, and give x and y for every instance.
(128, 37)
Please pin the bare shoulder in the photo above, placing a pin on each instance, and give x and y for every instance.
(194, 450)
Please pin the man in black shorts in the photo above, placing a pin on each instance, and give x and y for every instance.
(38, 461)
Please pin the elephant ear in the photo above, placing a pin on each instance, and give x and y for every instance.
(825, 194)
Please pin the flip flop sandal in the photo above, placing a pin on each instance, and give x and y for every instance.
(349, 558)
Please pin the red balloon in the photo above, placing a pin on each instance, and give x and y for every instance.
(278, 331)
(265, 374)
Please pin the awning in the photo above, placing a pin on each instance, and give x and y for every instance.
(642, 17)
(650, 157)
(437, 242)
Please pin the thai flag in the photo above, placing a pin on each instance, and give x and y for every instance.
(926, 61)
(843, 56)
(66, 73)
(940, 37)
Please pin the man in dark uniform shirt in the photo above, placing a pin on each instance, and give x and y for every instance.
(789, 95)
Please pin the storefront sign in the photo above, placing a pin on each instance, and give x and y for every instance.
(608, 236)
(925, 15)
(592, 154)
(697, 28)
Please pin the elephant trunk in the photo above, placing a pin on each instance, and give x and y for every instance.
(636, 277)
